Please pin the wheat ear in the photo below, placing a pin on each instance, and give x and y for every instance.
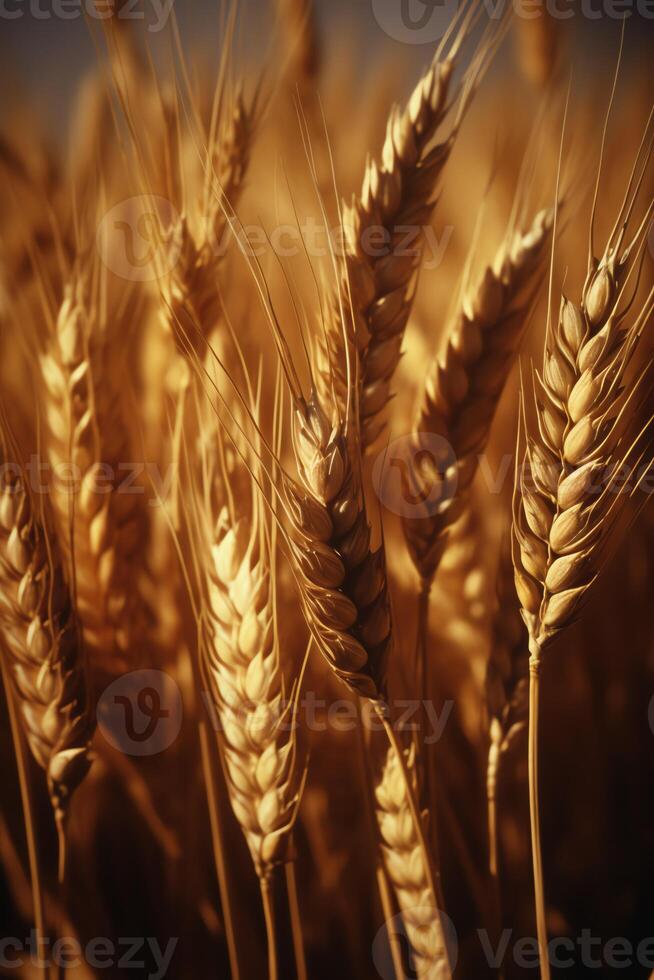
(566, 504)
(101, 529)
(397, 194)
(344, 580)
(192, 305)
(345, 596)
(242, 659)
(41, 646)
(463, 387)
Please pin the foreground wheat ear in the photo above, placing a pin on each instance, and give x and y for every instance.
(464, 385)
(41, 646)
(571, 488)
(345, 596)
(397, 203)
(343, 579)
(243, 662)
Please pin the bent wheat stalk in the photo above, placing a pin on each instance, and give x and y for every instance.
(568, 496)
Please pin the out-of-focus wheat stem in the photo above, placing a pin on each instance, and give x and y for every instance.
(217, 843)
(28, 809)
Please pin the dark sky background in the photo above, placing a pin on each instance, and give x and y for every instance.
(43, 56)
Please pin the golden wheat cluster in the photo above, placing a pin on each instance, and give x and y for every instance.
(291, 537)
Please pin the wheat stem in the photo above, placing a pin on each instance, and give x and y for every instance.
(28, 812)
(271, 928)
(218, 852)
(539, 890)
(296, 921)
(283, 961)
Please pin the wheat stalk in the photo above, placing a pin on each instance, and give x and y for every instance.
(397, 195)
(41, 646)
(566, 505)
(463, 387)
(102, 530)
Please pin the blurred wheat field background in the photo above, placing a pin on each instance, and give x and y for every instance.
(325, 539)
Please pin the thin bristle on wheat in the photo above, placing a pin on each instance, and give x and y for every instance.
(242, 658)
(42, 649)
(343, 580)
(404, 863)
(464, 386)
